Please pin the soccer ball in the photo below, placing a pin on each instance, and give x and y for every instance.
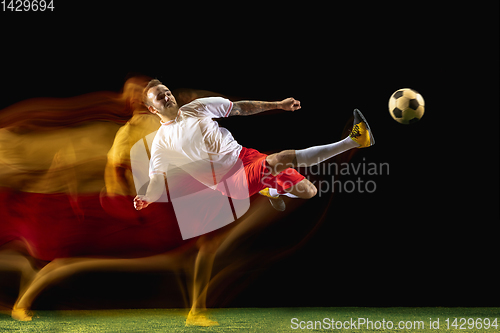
(406, 106)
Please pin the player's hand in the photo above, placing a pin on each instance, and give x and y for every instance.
(290, 104)
(140, 202)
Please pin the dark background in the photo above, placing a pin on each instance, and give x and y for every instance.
(427, 236)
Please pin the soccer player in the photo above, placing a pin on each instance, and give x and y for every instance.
(190, 139)
(189, 135)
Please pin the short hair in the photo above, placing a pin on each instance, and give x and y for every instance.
(151, 84)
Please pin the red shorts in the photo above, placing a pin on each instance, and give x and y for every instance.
(258, 175)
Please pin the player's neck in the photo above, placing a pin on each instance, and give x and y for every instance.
(169, 115)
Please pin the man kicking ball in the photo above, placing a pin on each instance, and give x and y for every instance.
(193, 142)
(271, 175)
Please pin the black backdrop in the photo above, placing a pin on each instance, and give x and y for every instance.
(426, 236)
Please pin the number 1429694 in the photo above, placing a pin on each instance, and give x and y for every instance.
(27, 5)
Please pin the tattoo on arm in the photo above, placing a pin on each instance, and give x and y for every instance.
(247, 108)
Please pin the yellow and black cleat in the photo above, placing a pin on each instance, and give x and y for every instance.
(276, 201)
(361, 132)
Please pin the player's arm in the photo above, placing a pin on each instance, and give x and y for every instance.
(247, 108)
(153, 193)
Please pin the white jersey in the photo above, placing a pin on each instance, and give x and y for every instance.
(195, 143)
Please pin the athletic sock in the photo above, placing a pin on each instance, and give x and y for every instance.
(314, 155)
(290, 195)
(274, 192)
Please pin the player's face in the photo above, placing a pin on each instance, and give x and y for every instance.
(161, 98)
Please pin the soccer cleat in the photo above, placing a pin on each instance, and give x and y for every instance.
(361, 132)
(276, 201)
(199, 320)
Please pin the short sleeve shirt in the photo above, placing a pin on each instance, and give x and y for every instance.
(194, 142)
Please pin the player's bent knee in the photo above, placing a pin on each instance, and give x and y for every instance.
(311, 191)
(305, 190)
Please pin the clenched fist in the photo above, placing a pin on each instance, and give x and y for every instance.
(290, 104)
(140, 202)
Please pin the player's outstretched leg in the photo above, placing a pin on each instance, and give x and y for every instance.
(360, 137)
